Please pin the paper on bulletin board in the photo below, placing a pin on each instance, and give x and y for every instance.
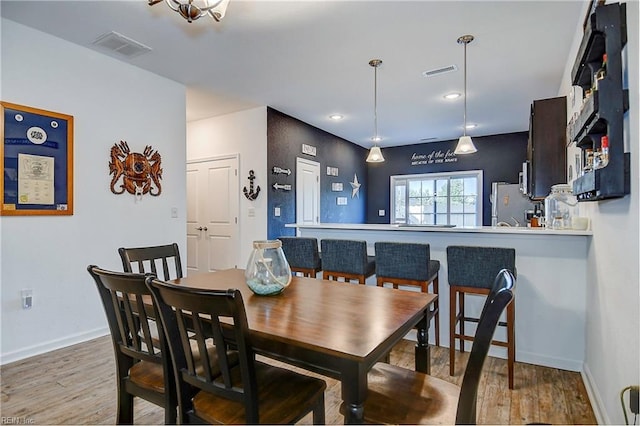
(35, 179)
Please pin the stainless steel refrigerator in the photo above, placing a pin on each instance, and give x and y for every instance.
(508, 204)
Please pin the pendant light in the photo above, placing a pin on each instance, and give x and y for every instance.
(465, 144)
(375, 155)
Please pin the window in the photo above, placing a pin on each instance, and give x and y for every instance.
(453, 198)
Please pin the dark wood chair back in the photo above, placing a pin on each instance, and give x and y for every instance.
(231, 392)
(500, 296)
(398, 395)
(142, 366)
(154, 259)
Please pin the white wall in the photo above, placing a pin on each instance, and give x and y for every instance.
(613, 289)
(243, 133)
(110, 101)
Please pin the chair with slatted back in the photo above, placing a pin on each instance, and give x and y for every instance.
(471, 270)
(142, 367)
(398, 395)
(409, 264)
(302, 255)
(346, 259)
(251, 392)
(148, 259)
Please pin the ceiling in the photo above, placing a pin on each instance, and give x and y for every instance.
(309, 59)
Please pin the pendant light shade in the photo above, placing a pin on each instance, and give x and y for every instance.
(375, 154)
(465, 144)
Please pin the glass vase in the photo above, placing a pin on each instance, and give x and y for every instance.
(268, 271)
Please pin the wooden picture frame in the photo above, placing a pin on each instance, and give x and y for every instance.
(37, 161)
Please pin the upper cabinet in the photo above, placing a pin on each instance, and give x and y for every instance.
(597, 129)
(546, 151)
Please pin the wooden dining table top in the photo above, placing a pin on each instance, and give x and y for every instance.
(340, 319)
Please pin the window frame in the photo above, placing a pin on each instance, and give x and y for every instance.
(397, 179)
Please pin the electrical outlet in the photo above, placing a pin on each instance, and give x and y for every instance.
(27, 298)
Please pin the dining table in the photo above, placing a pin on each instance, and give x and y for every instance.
(333, 328)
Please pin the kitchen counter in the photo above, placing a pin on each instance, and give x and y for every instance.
(516, 230)
(550, 290)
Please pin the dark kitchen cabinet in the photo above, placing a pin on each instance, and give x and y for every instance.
(602, 115)
(547, 148)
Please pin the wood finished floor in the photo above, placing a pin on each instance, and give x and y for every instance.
(76, 385)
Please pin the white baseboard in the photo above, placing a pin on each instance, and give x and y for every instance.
(52, 345)
(594, 397)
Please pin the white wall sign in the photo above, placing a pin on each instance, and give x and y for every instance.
(341, 201)
(336, 186)
(434, 157)
(308, 149)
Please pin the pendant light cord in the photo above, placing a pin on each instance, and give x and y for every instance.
(375, 104)
(464, 129)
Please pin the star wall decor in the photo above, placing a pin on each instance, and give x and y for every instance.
(355, 186)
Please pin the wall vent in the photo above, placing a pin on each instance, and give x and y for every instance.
(122, 45)
(438, 71)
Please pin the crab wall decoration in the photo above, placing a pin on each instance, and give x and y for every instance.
(140, 173)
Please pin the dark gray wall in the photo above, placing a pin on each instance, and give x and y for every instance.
(499, 156)
(285, 136)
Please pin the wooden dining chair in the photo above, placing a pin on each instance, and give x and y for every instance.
(142, 367)
(401, 396)
(251, 392)
(153, 259)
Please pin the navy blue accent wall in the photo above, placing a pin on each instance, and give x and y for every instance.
(285, 136)
(499, 156)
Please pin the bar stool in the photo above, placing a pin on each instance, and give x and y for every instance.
(302, 255)
(347, 259)
(473, 270)
(409, 264)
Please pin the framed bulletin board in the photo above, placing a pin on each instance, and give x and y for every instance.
(37, 161)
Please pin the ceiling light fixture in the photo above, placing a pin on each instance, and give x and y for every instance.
(375, 155)
(336, 116)
(452, 95)
(196, 9)
(465, 144)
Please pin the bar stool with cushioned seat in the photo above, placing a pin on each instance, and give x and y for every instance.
(409, 264)
(302, 255)
(347, 259)
(473, 270)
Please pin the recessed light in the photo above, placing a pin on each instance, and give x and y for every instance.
(376, 138)
(455, 95)
(336, 116)
(471, 126)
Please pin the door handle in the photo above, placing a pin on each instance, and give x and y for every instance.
(200, 228)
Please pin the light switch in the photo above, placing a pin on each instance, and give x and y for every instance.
(252, 212)
(276, 212)
(380, 212)
(174, 212)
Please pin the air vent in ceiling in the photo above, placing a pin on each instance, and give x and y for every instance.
(121, 45)
(438, 71)
(428, 139)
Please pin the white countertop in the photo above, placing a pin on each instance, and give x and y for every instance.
(457, 229)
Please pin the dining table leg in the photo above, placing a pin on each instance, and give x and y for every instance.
(354, 393)
(422, 349)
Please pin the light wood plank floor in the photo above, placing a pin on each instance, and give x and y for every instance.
(76, 385)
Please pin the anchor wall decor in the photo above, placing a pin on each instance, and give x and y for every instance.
(140, 173)
(251, 194)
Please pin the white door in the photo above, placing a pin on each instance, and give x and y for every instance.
(212, 214)
(307, 191)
